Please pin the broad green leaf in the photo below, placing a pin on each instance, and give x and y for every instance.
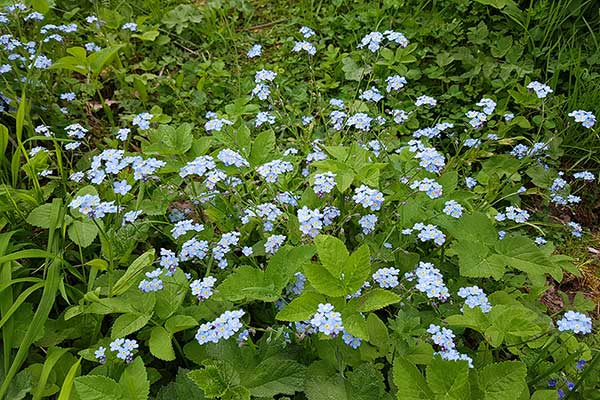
(376, 299)
(215, 379)
(502, 381)
(475, 227)
(332, 254)
(133, 272)
(98, 263)
(134, 381)
(516, 321)
(356, 269)
(82, 233)
(160, 344)
(377, 331)
(285, 263)
(365, 382)
(472, 318)
(179, 323)
(523, 254)
(411, 384)
(275, 376)
(356, 325)
(322, 280)
(129, 323)
(262, 147)
(248, 283)
(40, 216)
(449, 379)
(352, 71)
(96, 387)
(474, 260)
(301, 308)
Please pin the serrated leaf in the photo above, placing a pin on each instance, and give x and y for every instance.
(356, 325)
(522, 253)
(160, 344)
(96, 387)
(215, 379)
(449, 380)
(134, 381)
(275, 376)
(129, 323)
(411, 384)
(322, 280)
(301, 308)
(376, 299)
(82, 233)
(332, 254)
(502, 381)
(179, 323)
(41, 216)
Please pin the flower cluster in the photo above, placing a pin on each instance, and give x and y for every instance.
(386, 277)
(426, 233)
(182, 227)
(223, 327)
(327, 321)
(124, 348)
(429, 281)
(475, 297)
(513, 214)
(575, 322)
(368, 198)
(444, 338)
(429, 186)
(202, 289)
(374, 40)
(541, 90)
(153, 283)
(367, 223)
(585, 118)
(91, 206)
(453, 209)
(271, 170)
(324, 183)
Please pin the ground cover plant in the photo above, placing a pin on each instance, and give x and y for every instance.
(318, 200)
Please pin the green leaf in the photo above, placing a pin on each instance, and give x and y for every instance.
(356, 269)
(67, 386)
(215, 379)
(134, 381)
(449, 379)
(352, 71)
(332, 254)
(263, 146)
(523, 254)
(98, 263)
(301, 308)
(129, 323)
(376, 299)
(180, 323)
(502, 381)
(248, 283)
(365, 382)
(356, 325)
(100, 59)
(411, 384)
(82, 233)
(377, 331)
(96, 387)
(40, 216)
(275, 376)
(472, 318)
(322, 280)
(160, 344)
(511, 320)
(285, 263)
(474, 260)
(133, 272)
(475, 227)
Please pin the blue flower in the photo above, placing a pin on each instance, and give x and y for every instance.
(273, 243)
(367, 223)
(453, 209)
(223, 327)
(327, 321)
(255, 51)
(575, 322)
(541, 90)
(202, 289)
(387, 278)
(122, 187)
